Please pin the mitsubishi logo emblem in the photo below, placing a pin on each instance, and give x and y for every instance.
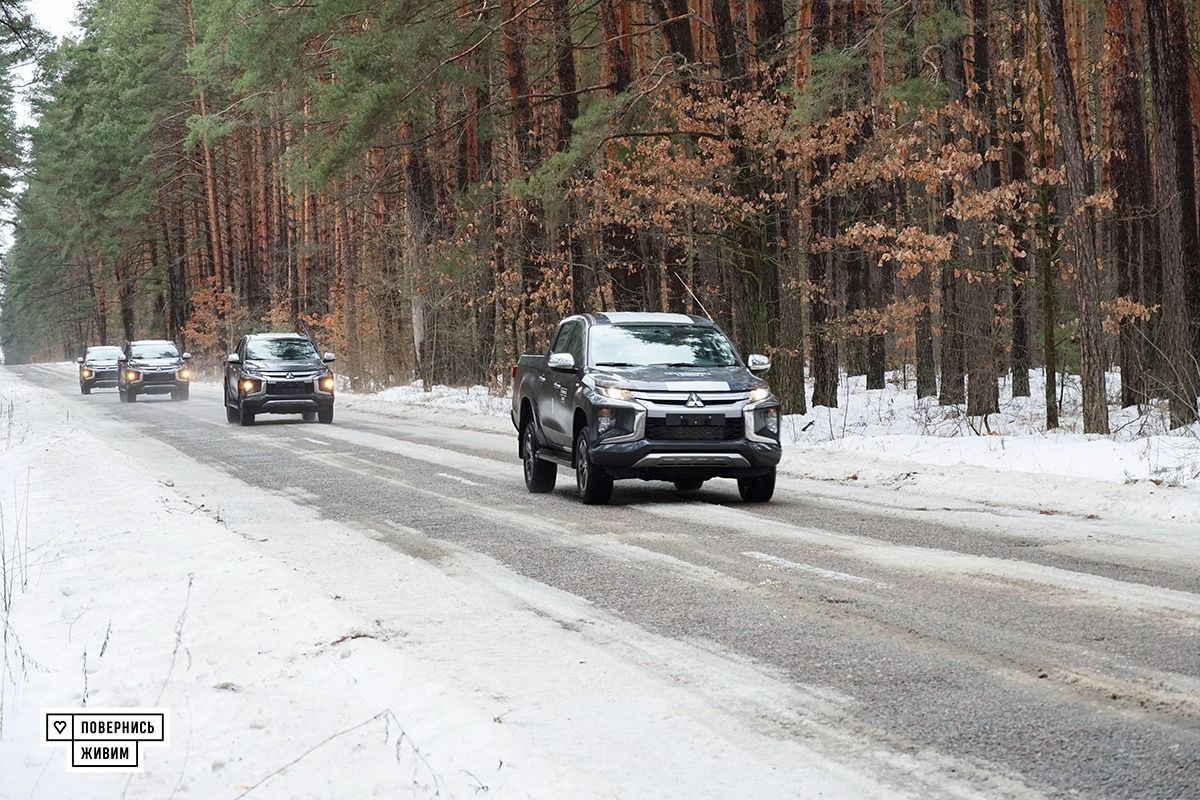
(694, 401)
(290, 375)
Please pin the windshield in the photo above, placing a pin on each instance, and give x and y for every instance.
(155, 350)
(667, 345)
(102, 353)
(280, 350)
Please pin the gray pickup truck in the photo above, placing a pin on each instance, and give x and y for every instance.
(649, 396)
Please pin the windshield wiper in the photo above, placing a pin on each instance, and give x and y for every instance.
(616, 364)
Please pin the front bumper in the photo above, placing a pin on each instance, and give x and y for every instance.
(283, 397)
(99, 379)
(156, 383)
(669, 460)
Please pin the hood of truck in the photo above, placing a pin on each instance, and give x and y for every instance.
(678, 379)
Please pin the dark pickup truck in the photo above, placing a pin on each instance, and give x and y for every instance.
(649, 396)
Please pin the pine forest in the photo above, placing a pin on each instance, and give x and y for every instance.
(966, 189)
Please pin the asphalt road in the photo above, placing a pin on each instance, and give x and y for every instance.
(988, 651)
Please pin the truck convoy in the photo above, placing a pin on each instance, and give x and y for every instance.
(649, 396)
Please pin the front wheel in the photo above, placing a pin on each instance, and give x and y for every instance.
(85, 389)
(540, 476)
(245, 417)
(325, 415)
(130, 396)
(180, 394)
(759, 489)
(231, 412)
(595, 487)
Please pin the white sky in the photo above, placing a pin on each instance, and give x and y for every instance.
(54, 15)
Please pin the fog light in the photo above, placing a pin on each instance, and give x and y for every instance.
(604, 421)
(327, 383)
(131, 376)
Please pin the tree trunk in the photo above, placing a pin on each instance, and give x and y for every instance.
(1176, 200)
(1080, 223)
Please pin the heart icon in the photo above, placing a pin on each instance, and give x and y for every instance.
(60, 725)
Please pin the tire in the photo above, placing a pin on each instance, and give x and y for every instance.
(595, 488)
(540, 476)
(689, 485)
(309, 416)
(85, 389)
(130, 396)
(325, 415)
(757, 490)
(231, 413)
(245, 418)
(181, 394)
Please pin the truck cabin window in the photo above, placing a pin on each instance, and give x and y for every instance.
(280, 350)
(660, 345)
(143, 351)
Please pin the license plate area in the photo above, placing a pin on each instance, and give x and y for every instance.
(694, 420)
(289, 389)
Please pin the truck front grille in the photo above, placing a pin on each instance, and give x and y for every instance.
(658, 429)
(289, 389)
(158, 377)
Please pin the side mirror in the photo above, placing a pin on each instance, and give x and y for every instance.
(329, 358)
(561, 362)
(79, 360)
(758, 363)
(233, 358)
(122, 357)
(186, 356)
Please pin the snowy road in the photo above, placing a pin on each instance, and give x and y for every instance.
(839, 642)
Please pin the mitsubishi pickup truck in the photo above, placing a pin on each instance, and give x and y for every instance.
(650, 396)
(153, 366)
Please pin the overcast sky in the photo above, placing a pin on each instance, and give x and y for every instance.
(54, 15)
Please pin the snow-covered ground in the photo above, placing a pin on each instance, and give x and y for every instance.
(300, 657)
(889, 437)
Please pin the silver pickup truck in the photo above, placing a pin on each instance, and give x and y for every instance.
(649, 396)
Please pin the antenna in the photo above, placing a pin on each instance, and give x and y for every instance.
(693, 294)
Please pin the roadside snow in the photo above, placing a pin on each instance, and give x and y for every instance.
(892, 423)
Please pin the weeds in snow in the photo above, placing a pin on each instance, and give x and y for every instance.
(14, 578)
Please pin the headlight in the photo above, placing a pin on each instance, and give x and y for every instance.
(249, 386)
(617, 393)
(184, 374)
(759, 394)
(131, 375)
(87, 373)
(327, 383)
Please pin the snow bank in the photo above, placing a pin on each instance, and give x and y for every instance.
(891, 423)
